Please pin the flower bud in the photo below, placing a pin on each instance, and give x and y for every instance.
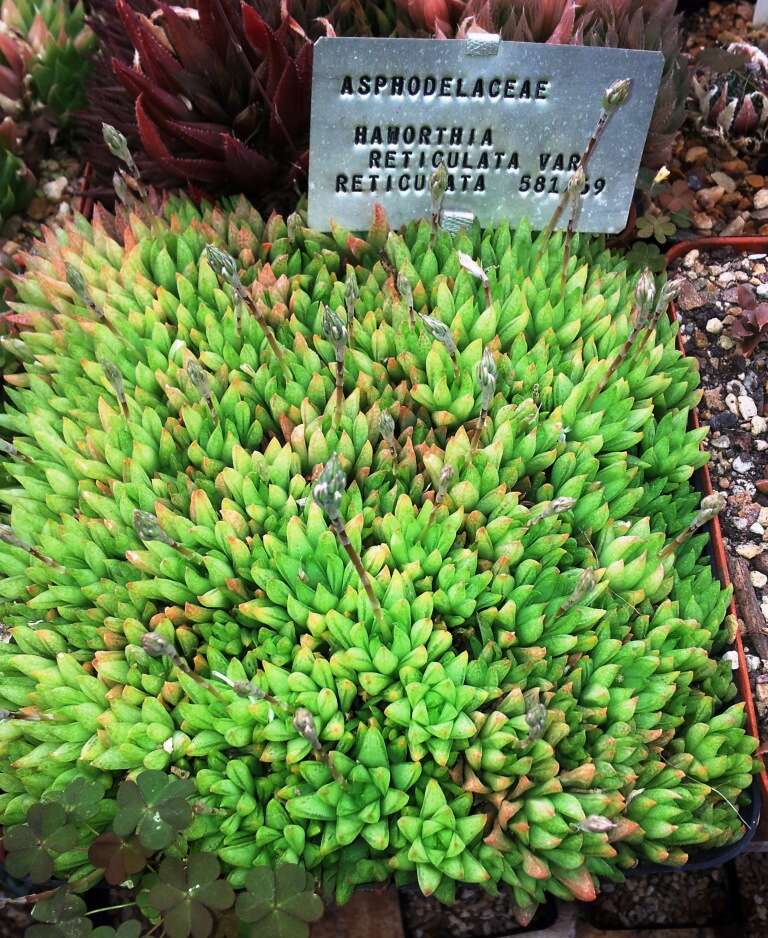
(121, 188)
(147, 528)
(486, 377)
(577, 182)
(156, 646)
(645, 292)
(335, 332)
(75, 280)
(472, 267)
(222, 264)
(199, 378)
(405, 289)
(596, 824)
(329, 488)
(440, 333)
(304, 723)
(617, 93)
(438, 186)
(536, 720)
(118, 146)
(386, 425)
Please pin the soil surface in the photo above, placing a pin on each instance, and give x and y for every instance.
(718, 287)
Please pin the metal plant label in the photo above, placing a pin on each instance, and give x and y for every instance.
(509, 119)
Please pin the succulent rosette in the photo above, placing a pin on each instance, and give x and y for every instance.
(447, 618)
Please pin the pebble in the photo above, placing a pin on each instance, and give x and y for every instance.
(760, 200)
(721, 442)
(747, 407)
(703, 221)
(761, 445)
(762, 290)
(54, 189)
(735, 227)
(724, 180)
(690, 258)
(741, 465)
(726, 342)
(749, 551)
(757, 528)
(726, 278)
(709, 197)
(759, 425)
(696, 154)
(758, 579)
(763, 516)
(714, 326)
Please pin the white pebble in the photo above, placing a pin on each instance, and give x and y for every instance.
(757, 528)
(758, 579)
(732, 404)
(759, 424)
(747, 407)
(733, 660)
(714, 326)
(749, 551)
(741, 465)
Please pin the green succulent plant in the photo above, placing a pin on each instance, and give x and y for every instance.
(365, 580)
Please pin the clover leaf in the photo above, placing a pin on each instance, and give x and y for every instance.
(120, 859)
(80, 799)
(125, 930)
(61, 915)
(278, 903)
(155, 807)
(187, 893)
(32, 846)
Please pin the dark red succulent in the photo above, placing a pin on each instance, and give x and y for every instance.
(751, 325)
(219, 96)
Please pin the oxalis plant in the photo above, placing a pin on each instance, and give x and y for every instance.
(331, 559)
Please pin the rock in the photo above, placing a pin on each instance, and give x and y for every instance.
(713, 397)
(709, 197)
(688, 297)
(762, 486)
(726, 342)
(757, 528)
(726, 278)
(741, 465)
(38, 208)
(724, 180)
(759, 425)
(690, 259)
(734, 227)
(696, 155)
(726, 421)
(755, 181)
(54, 190)
(721, 442)
(747, 407)
(749, 551)
(732, 403)
(761, 445)
(760, 201)
(699, 339)
(758, 579)
(703, 221)
(763, 516)
(762, 290)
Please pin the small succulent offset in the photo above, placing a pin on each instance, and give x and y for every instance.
(751, 324)
(731, 90)
(453, 625)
